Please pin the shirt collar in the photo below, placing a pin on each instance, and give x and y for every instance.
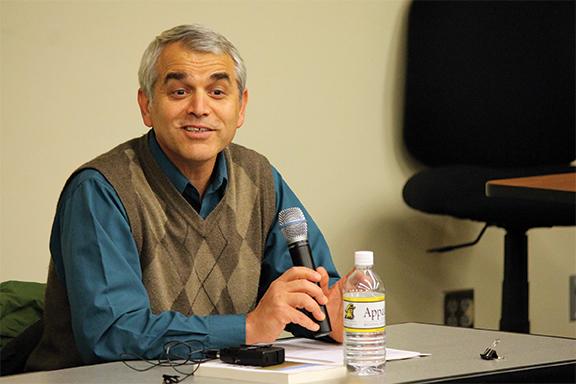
(219, 175)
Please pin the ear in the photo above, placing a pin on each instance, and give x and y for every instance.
(144, 103)
(242, 112)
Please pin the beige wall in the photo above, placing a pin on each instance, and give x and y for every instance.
(325, 100)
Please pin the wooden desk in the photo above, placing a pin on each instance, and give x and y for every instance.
(455, 358)
(558, 188)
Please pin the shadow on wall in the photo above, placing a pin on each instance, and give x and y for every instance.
(394, 98)
(415, 280)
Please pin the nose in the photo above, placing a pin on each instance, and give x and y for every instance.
(198, 105)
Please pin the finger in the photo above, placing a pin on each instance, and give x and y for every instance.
(300, 300)
(297, 273)
(303, 320)
(305, 286)
(324, 278)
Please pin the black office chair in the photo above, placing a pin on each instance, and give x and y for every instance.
(490, 93)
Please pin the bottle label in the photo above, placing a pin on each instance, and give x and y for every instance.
(364, 314)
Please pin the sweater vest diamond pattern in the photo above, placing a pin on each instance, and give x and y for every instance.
(191, 265)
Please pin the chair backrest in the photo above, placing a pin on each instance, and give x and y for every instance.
(491, 82)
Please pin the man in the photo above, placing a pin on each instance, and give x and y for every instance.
(174, 235)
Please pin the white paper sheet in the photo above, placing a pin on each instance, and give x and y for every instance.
(317, 352)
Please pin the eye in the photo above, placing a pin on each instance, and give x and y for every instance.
(180, 92)
(218, 93)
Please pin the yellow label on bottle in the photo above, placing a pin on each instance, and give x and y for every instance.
(364, 314)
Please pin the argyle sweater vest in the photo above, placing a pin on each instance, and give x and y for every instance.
(191, 265)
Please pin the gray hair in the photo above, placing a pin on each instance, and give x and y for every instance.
(196, 38)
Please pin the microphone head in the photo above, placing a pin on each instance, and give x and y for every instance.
(293, 225)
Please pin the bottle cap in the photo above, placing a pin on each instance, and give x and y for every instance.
(364, 258)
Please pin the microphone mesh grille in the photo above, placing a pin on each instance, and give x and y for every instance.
(293, 225)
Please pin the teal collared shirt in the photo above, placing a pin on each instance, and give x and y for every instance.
(216, 187)
(96, 259)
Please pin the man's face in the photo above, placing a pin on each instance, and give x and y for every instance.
(196, 106)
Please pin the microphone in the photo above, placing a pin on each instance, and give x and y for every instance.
(295, 230)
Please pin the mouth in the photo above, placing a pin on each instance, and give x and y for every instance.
(196, 129)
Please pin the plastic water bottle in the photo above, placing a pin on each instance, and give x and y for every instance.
(364, 318)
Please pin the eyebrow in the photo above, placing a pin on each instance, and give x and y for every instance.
(220, 76)
(175, 76)
(182, 75)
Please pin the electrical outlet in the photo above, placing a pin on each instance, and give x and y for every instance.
(572, 296)
(459, 308)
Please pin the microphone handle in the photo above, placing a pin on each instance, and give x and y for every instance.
(302, 257)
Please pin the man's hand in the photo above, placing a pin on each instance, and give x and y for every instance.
(295, 289)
